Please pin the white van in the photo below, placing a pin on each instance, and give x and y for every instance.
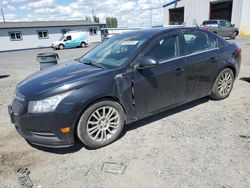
(71, 39)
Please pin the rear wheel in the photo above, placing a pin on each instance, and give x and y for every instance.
(223, 84)
(101, 124)
(83, 44)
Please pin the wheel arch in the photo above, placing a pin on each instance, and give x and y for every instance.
(221, 69)
(93, 101)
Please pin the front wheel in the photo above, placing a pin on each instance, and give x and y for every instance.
(234, 35)
(61, 47)
(223, 84)
(101, 124)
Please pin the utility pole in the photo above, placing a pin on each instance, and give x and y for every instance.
(2, 11)
(150, 12)
(93, 15)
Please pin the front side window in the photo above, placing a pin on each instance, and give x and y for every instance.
(68, 38)
(15, 36)
(93, 31)
(43, 34)
(197, 41)
(115, 51)
(222, 23)
(228, 24)
(166, 48)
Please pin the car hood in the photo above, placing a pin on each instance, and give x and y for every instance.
(58, 79)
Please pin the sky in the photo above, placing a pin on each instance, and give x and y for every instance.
(130, 13)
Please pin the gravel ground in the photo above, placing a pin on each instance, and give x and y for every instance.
(202, 144)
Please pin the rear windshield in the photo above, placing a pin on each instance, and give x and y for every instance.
(210, 23)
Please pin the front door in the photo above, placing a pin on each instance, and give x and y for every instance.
(161, 86)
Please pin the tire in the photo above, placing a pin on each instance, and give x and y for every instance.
(223, 84)
(234, 35)
(61, 47)
(95, 123)
(83, 45)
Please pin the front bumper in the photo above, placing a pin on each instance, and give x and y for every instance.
(42, 129)
(54, 46)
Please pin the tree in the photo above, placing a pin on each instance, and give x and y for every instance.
(111, 22)
(96, 19)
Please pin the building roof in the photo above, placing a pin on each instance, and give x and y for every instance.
(5, 25)
(170, 3)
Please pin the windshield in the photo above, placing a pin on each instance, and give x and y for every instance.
(115, 51)
(62, 37)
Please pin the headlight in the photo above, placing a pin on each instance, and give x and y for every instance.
(46, 105)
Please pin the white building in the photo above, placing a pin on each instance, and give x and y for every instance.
(28, 35)
(192, 12)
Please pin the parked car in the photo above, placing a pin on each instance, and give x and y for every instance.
(70, 40)
(126, 78)
(221, 27)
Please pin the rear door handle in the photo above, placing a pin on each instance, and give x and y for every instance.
(179, 70)
(213, 59)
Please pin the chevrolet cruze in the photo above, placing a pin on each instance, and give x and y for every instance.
(124, 79)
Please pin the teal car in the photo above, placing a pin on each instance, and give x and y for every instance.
(71, 40)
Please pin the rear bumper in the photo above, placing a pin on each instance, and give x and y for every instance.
(43, 129)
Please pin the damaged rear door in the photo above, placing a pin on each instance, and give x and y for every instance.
(161, 86)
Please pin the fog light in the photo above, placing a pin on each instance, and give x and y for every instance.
(65, 130)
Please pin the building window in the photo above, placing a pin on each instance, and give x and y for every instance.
(15, 35)
(93, 31)
(43, 34)
(65, 31)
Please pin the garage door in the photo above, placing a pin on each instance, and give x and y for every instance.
(176, 16)
(221, 10)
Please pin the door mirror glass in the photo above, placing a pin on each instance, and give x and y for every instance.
(147, 62)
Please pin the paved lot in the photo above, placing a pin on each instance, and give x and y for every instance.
(202, 144)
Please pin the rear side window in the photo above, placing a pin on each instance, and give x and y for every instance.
(209, 23)
(165, 48)
(198, 41)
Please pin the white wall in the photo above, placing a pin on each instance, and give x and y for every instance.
(30, 37)
(196, 11)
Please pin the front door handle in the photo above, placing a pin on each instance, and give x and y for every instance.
(179, 71)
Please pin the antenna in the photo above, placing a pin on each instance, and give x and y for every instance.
(2, 11)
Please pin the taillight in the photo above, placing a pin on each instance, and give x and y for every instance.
(239, 51)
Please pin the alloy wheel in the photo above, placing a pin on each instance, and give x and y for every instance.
(103, 123)
(225, 83)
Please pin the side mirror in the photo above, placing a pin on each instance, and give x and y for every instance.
(232, 25)
(147, 62)
(65, 40)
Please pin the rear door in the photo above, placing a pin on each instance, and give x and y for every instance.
(201, 50)
(161, 86)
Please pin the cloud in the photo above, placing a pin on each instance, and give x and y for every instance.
(130, 13)
(42, 4)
